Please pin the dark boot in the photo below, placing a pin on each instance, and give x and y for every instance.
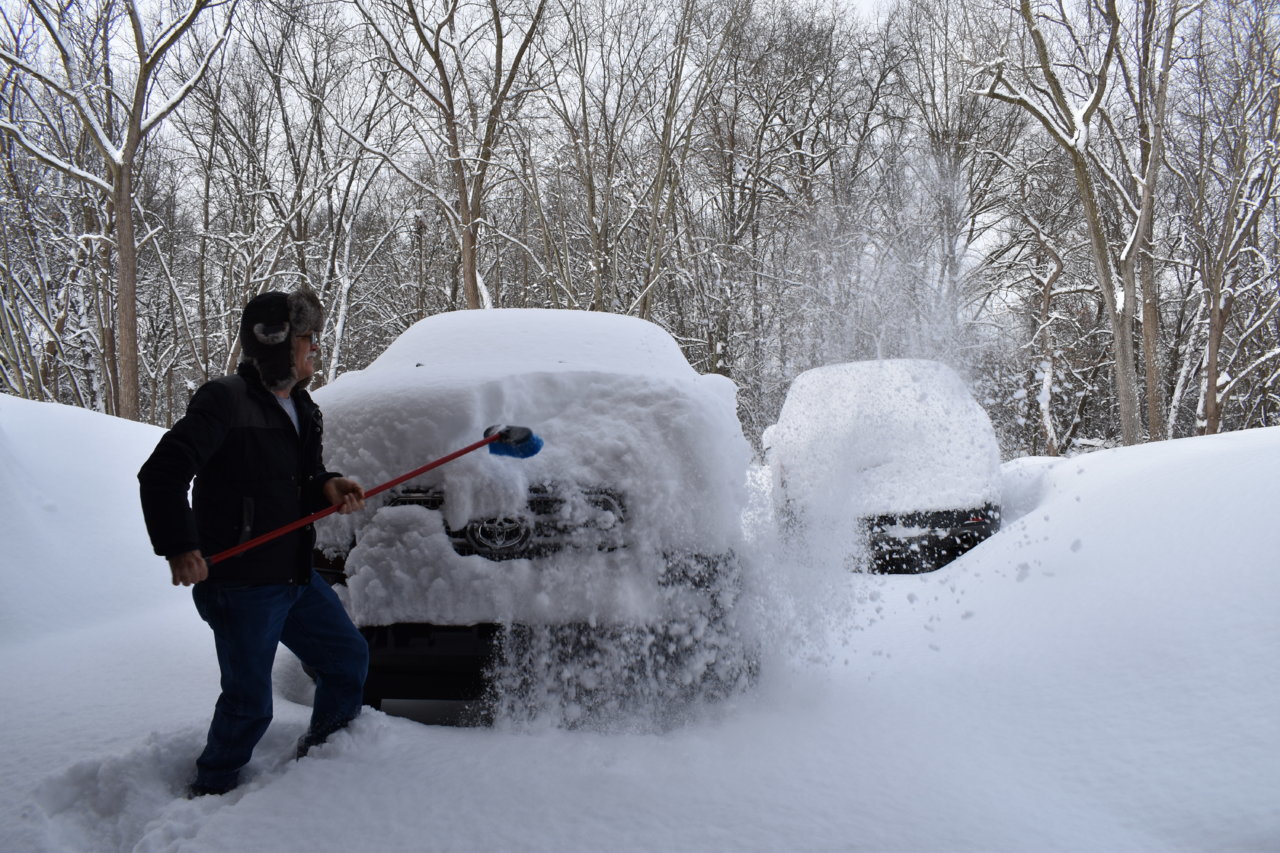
(199, 789)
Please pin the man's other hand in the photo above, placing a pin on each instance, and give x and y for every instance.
(188, 568)
(346, 494)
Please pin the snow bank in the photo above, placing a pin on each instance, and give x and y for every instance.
(1023, 483)
(68, 479)
(1106, 651)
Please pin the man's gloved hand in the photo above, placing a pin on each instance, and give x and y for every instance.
(188, 568)
(344, 493)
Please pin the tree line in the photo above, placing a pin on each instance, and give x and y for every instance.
(1074, 203)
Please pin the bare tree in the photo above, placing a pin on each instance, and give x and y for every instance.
(1226, 160)
(609, 63)
(1136, 123)
(957, 177)
(1063, 91)
(117, 105)
(1040, 268)
(455, 58)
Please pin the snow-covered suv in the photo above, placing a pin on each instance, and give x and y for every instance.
(898, 448)
(600, 573)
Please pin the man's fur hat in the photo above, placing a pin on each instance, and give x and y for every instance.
(267, 327)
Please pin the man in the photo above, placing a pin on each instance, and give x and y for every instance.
(252, 442)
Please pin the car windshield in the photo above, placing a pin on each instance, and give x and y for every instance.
(885, 436)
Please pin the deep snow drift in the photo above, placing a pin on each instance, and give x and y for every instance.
(1100, 675)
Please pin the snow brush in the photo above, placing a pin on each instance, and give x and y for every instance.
(515, 441)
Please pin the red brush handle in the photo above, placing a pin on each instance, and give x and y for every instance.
(237, 550)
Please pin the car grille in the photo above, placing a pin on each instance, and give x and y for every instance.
(556, 516)
(914, 542)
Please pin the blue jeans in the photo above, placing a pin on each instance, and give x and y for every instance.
(248, 623)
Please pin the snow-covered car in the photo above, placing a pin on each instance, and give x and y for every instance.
(600, 573)
(898, 448)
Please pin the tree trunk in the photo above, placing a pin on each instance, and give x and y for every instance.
(1121, 312)
(1219, 310)
(1151, 350)
(470, 279)
(128, 392)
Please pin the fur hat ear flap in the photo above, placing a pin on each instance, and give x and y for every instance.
(264, 323)
(306, 314)
(271, 335)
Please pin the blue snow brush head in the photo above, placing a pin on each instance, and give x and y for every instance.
(516, 441)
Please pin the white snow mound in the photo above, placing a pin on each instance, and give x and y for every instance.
(617, 407)
(877, 437)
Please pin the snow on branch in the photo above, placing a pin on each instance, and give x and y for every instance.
(185, 89)
(51, 160)
(71, 94)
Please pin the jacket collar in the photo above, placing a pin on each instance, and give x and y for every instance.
(301, 399)
(251, 375)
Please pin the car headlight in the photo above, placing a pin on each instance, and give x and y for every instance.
(606, 501)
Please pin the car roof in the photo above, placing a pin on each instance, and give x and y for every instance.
(919, 394)
(491, 342)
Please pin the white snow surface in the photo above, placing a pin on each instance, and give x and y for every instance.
(873, 437)
(1098, 676)
(616, 405)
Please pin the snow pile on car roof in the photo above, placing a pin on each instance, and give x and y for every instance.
(873, 437)
(617, 406)
(497, 343)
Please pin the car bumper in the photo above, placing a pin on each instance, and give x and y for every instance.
(537, 666)
(422, 661)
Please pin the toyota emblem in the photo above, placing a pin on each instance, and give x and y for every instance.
(497, 534)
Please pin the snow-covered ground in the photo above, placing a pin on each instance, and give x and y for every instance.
(1099, 676)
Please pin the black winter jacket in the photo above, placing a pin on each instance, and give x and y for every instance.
(253, 473)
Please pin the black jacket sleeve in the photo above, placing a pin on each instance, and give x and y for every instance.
(165, 477)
